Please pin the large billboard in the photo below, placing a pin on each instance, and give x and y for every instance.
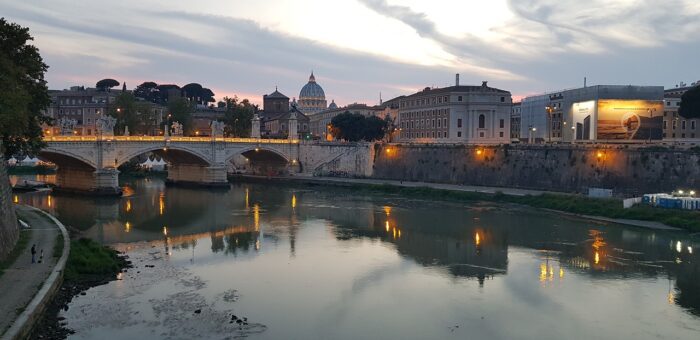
(583, 114)
(629, 119)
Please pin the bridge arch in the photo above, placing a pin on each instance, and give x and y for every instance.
(263, 160)
(67, 159)
(174, 154)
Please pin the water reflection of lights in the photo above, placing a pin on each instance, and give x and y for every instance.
(128, 205)
(690, 250)
(49, 201)
(127, 227)
(15, 199)
(247, 205)
(161, 203)
(387, 226)
(294, 201)
(477, 238)
(597, 258)
(256, 216)
(165, 231)
(679, 246)
(561, 273)
(387, 210)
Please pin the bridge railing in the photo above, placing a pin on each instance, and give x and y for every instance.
(171, 139)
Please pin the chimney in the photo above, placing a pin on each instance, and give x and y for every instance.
(457, 79)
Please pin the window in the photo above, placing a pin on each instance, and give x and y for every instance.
(674, 125)
(502, 124)
(438, 123)
(444, 122)
(503, 99)
(433, 134)
(482, 121)
(459, 98)
(459, 133)
(692, 125)
(459, 122)
(683, 125)
(434, 124)
(665, 124)
(481, 134)
(500, 134)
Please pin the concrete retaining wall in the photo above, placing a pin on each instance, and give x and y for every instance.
(347, 159)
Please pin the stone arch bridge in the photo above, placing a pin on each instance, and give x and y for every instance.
(89, 163)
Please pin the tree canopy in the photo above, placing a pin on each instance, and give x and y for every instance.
(238, 117)
(106, 84)
(690, 103)
(139, 117)
(23, 91)
(355, 127)
(180, 110)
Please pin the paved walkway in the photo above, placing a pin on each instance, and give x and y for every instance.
(21, 281)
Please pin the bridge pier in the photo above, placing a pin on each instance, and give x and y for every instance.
(198, 175)
(103, 182)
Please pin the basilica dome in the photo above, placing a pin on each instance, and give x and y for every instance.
(312, 99)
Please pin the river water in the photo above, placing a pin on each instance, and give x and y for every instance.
(329, 263)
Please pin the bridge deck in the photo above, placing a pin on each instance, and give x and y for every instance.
(171, 139)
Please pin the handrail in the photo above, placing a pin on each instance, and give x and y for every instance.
(169, 139)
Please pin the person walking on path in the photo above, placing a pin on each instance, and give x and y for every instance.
(33, 253)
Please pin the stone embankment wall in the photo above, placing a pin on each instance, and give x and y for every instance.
(628, 170)
(337, 159)
(8, 221)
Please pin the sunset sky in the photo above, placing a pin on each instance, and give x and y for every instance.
(359, 48)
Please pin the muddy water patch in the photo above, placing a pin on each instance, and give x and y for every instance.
(160, 299)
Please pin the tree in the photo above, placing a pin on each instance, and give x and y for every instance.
(374, 128)
(180, 110)
(207, 96)
(148, 91)
(690, 103)
(23, 92)
(354, 127)
(125, 110)
(106, 84)
(164, 92)
(193, 92)
(238, 117)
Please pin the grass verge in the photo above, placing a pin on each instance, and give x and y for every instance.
(24, 236)
(610, 208)
(89, 260)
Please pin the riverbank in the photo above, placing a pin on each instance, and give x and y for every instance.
(26, 287)
(606, 210)
(89, 264)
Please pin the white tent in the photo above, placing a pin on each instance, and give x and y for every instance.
(29, 161)
(12, 161)
(147, 164)
(158, 165)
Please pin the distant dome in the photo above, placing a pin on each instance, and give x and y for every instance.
(312, 99)
(312, 89)
(332, 105)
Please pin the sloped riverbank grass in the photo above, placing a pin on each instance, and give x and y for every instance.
(89, 260)
(610, 208)
(22, 243)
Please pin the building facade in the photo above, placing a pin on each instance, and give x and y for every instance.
(312, 99)
(276, 114)
(515, 123)
(609, 113)
(678, 129)
(456, 114)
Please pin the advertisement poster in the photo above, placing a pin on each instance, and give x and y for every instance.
(630, 120)
(583, 114)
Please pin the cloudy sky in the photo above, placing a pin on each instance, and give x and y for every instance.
(359, 48)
